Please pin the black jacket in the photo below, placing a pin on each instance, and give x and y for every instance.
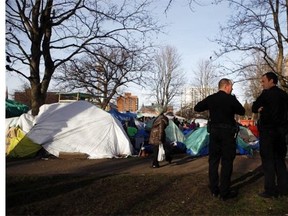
(275, 107)
(222, 108)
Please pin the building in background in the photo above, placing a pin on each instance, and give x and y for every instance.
(127, 103)
(25, 97)
(52, 97)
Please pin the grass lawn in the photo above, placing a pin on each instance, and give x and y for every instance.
(149, 194)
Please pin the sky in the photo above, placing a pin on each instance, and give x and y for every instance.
(191, 32)
(188, 31)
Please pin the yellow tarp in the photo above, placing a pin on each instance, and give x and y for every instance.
(18, 145)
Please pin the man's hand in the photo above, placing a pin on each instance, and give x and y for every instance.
(260, 109)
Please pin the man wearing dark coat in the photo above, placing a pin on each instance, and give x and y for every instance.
(223, 130)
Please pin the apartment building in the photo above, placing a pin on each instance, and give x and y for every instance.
(128, 102)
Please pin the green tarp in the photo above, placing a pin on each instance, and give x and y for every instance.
(14, 108)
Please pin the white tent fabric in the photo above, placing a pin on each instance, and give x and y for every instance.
(25, 122)
(10, 122)
(80, 127)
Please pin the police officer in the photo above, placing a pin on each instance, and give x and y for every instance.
(272, 104)
(222, 107)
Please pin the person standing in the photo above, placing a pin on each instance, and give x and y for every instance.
(158, 136)
(223, 129)
(272, 104)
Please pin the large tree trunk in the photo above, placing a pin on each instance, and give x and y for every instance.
(39, 89)
(37, 98)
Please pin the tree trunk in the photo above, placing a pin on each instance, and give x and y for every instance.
(37, 98)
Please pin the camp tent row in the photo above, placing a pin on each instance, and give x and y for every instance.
(81, 127)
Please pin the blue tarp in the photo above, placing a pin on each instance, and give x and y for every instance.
(123, 117)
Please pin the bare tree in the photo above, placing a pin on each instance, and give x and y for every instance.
(170, 2)
(42, 35)
(253, 73)
(204, 83)
(103, 73)
(204, 78)
(168, 78)
(257, 27)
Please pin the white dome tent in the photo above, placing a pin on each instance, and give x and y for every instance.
(79, 127)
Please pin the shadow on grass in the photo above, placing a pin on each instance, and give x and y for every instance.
(187, 159)
(248, 178)
(26, 190)
(88, 195)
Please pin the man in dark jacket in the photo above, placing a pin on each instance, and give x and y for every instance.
(272, 104)
(222, 127)
(157, 137)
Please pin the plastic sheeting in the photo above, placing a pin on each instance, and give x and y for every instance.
(172, 131)
(198, 141)
(18, 145)
(79, 127)
(14, 108)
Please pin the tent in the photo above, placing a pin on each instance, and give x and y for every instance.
(173, 133)
(79, 127)
(18, 145)
(14, 108)
(174, 136)
(198, 141)
(247, 135)
(122, 117)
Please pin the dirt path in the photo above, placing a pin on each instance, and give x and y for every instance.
(182, 164)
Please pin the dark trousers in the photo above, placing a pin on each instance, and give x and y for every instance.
(273, 151)
(222, 147)
(168, 153)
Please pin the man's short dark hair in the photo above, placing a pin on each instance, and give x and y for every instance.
(273, 76)
(223, 82)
